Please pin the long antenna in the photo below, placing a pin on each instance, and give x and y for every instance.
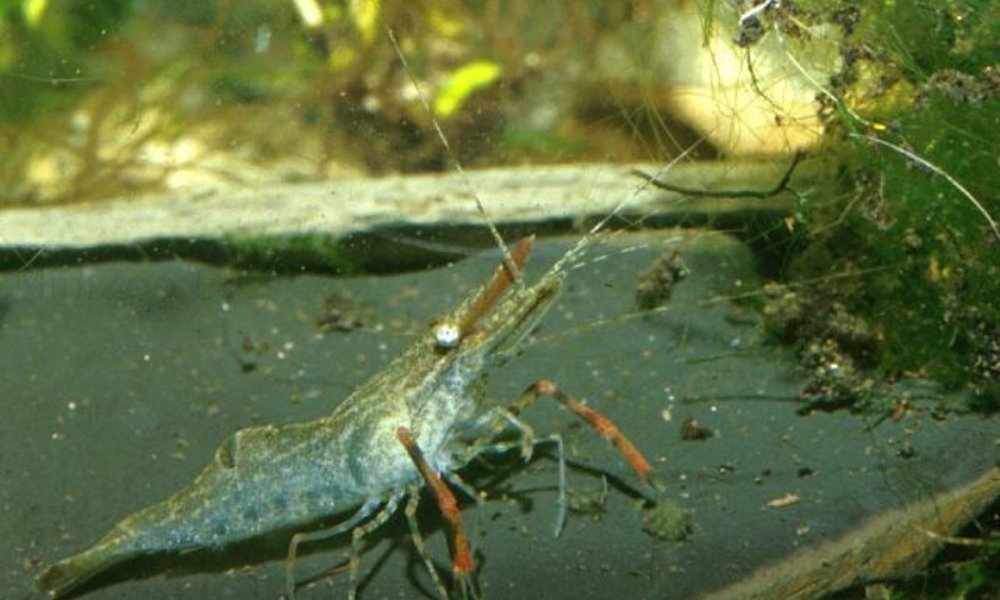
(584, 241)
(508, 260)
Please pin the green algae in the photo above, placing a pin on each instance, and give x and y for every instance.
(315, 253)
(906, 241)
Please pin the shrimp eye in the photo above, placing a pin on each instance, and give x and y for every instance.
(447, 335)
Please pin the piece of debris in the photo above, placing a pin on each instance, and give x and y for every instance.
(692, 430)
(789, 499)
(656, 283)
(340, 313)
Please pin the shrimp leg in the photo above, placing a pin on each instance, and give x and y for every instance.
(366, 510)
(461, 553)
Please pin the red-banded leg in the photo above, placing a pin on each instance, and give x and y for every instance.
(461, 554)
(604, 426)
(502, 417)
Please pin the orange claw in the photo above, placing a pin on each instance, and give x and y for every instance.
(462, 564)
(605, 426)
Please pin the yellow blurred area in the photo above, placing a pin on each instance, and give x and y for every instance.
(462, 83)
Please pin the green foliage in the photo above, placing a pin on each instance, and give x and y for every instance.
(289, 254)
(918, 153)
(946, 255)
(42, 51)
(89, 22)
(925, 37)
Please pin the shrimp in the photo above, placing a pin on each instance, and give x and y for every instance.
(405, 427)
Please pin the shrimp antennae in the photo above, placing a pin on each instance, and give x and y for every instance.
(453, 157)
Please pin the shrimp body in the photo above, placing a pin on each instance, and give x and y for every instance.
(288, 476)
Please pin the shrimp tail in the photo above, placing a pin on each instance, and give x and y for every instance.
(68, 574)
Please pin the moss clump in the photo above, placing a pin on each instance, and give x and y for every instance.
(665, 521)
(928, 259)
(313, 253)
(909, 245)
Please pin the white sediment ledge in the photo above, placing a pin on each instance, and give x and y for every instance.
(340, 207)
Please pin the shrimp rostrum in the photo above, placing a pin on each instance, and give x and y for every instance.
(418, 420)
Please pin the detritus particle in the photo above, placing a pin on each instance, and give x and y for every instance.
(665, 521)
